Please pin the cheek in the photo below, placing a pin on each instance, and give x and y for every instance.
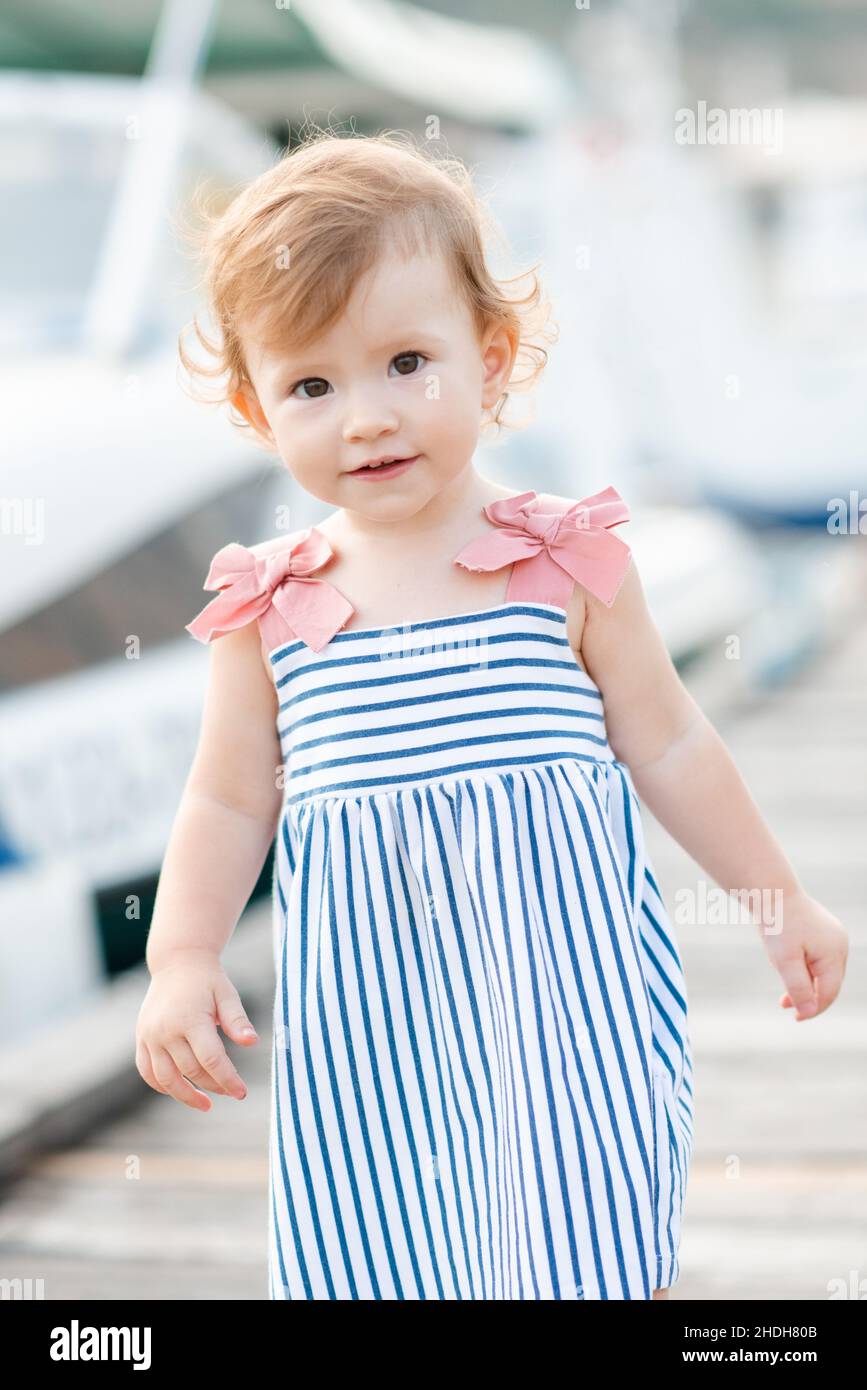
(323, 483)
(448, 405)
(305, 438)
(454, 422)
(307, 452)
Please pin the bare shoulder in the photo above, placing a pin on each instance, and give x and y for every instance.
(278, 543)
(329, 528)
(646, 704)
(614, 637)
(582, 602)
(239, 659)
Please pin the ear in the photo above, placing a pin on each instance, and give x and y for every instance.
(498, 357)
(246, 402)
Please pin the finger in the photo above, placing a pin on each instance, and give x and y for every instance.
(145, 1067)
(174, 1084)
(232, 1016)
(205, 1042)
(828, 977)
(189, 1066)
(799, 985)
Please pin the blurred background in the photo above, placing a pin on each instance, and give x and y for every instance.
(693, 178)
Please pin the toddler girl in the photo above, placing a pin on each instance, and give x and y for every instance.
(441, 705)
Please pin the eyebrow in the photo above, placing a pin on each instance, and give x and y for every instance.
(290, 365)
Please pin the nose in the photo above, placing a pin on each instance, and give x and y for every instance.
(368, 416)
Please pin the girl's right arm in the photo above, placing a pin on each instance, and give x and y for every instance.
(223, 829)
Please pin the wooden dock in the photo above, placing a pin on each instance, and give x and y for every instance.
(777, 1199)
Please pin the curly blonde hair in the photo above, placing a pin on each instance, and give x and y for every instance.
(289, 248)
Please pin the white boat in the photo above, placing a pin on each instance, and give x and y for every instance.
(115, 488)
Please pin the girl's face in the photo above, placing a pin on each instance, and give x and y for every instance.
(401, 373)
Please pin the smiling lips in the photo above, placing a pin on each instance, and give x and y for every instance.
(387, 468)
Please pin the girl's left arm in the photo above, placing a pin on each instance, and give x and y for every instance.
(683, 771)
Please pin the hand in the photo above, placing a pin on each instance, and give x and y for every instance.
(810, 953)
(177, 1042)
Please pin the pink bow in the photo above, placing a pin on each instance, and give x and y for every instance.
(553, 550)
(276, 589)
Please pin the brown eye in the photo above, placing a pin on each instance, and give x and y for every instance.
(412, 358)
(311, 381)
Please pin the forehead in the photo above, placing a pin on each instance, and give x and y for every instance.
(400, 293)
(423, 279)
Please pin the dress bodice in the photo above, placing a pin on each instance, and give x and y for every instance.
(382, 709)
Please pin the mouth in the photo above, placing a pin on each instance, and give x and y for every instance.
(386, 467)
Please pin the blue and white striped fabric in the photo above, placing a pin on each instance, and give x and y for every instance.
(481, 1082)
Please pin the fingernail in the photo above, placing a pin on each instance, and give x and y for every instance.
(248, 1032)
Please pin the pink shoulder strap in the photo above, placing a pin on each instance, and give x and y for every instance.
(278, 590)
(552, 550)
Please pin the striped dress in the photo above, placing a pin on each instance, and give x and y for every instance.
(481, 1069)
